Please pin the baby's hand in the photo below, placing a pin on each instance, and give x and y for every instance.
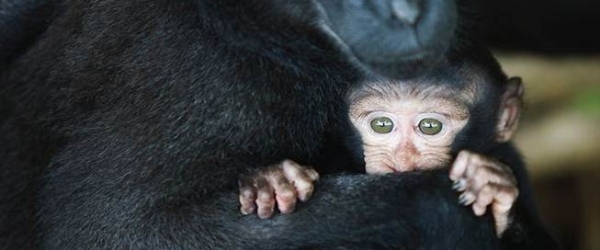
(484, 181)
(280, 184)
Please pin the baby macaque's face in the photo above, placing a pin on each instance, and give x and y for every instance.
(407, 127)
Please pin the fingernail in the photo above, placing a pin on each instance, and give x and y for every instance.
(459, 185)
(456, 184)
(462, 199)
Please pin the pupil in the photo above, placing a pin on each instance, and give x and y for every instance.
(382, 123)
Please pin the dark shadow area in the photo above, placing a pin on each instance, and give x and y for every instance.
(555, 46)
(551, 26)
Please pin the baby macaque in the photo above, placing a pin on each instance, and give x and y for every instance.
(415, 125)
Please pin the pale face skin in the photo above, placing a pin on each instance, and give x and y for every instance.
(405, 131)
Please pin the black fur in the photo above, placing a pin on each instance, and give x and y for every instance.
(21, 21)
(393, 36)
(125, 124)
(527, 230)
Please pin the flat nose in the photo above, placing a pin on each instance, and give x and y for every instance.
(405, 158)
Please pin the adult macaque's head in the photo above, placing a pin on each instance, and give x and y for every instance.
(396, 37)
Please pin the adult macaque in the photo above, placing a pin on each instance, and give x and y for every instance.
(413, 125)
(125, 125)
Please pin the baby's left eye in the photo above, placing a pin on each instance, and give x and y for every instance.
(430, 126)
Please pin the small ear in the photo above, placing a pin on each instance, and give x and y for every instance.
(510, 110)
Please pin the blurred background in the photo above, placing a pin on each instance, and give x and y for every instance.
(554, 45)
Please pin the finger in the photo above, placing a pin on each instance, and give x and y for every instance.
(459, 166)
(501, 206)
(501, 174)
(501, 218)
(284, 192)
(478, 180)
(265, 200)
(291, 169)
(301, 177)
(484, 198)
(478, 210)
(480, 173)
(460, 185)
(475, 164)
(507, 195)
(247, 195)
(495, 171)
(501, 224)
(311, 173)
(304, 189)
(466, 198)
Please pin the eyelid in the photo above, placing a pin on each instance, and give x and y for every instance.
(443, 118)
(365, 115)
(370, 115)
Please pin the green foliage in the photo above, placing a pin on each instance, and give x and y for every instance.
(588, 101)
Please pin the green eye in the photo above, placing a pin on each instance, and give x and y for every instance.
(382, 125)
(430, 126)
